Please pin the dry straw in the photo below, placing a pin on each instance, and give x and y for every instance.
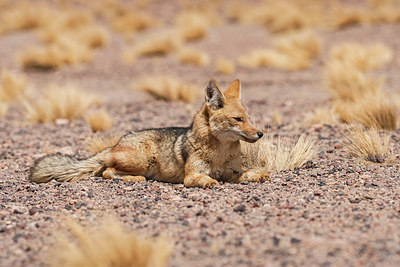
(225, 66)
(322, 116)
(267, 155)
(168, 88)
(193, 56)
(108, 245)
(368, 144)
(12, 87)
(362, 57)
(294, 51)
(60, 103)
(99, 120)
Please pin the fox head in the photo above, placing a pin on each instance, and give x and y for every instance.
(228, 119)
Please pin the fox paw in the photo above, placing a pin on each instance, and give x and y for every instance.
(266, 176)
(210, 183)
(254, 177)
(133, 179)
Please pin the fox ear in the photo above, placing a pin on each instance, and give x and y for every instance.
(234, 89)
(214, 97)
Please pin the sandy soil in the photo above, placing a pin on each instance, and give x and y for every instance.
(336, 211)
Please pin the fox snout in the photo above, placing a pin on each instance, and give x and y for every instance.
(252, 137)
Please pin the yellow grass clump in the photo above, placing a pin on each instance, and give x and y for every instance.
(286, 15)
(322, 116)
(99, 120)
(368, 144)
(123, 18)
(267, 155)
(108, 244)
(55, 55)
(372, 111)
(356, 97)
(293, 51)
(24, 16)
(342, 16)
(98, 143)
(70, 38)
(345, 82)
(278, 16)
(160, 44)
(193, 24)
(60, 103)
(225, 66)
(12, 87)
(193, 56)
(362, 57)
(3, 108)
(168, 88)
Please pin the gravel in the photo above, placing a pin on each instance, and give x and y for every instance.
(335, 211)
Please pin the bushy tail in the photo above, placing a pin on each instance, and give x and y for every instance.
(65, 168)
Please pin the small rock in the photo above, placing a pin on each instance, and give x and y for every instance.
(338, 146)
(62, 121)
(240, 208)
(3, 213)
(18, 210)
(33, 210)
(275, 241)
(376, 158)
(294, 240)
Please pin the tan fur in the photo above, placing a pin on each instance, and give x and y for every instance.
(198, 156)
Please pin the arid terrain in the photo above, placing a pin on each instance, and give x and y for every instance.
(336, 210)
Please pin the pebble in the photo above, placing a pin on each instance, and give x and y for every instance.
(240, 208)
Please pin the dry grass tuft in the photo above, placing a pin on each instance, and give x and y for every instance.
(347, 83)
(193, 56)
(99, 120)
(24, 16)
(269, 156)
(193, 24)
(70, 38)
(123, 18)
(168, 88)
(55, 55)
(225, 66)
(60, 103)
(322, 116)
(368, 144)
(362, 57)
(109, 244)
(98, 143)
(279, 16)
(293, 51)
(158, 45)
(3, 108)
(342, 16)
(372, 111)
(12, 87)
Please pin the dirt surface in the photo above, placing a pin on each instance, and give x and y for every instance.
(337, 211)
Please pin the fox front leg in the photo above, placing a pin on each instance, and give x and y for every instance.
(235, 173)
(196, 173)
(199, 180)
(250, 176)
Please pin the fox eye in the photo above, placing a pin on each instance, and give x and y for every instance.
(238, 119)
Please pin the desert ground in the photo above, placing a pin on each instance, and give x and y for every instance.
(335, 210)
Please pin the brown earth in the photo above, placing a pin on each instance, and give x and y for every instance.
(337, 211)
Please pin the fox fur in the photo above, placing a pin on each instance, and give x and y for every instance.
(198, 156)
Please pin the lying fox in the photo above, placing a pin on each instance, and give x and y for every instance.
(198, 156)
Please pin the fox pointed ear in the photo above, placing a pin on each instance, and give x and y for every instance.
(214, 97)
(234, 89)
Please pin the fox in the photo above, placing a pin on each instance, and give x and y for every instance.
(201, 155)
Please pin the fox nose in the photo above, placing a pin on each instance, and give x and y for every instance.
(260, 134)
